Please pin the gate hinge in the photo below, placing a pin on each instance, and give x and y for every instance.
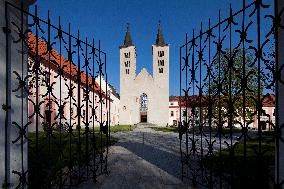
(6, 30)
(6, 107)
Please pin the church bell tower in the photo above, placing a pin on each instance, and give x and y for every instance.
(160, 53)
(127, 76)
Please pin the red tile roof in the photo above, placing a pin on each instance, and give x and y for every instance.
(268, 100)
(58, 59)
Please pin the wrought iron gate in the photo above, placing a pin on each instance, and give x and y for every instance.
(61, 96)
(230, 79)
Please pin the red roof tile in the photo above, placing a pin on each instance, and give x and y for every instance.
(56, 58)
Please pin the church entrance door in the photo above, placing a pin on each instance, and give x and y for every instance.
(143, 117)
(143, 108)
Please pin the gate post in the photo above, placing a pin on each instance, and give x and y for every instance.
(280, 104)
(13, 156)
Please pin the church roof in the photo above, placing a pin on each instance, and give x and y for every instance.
(127, 39)
(160, 41)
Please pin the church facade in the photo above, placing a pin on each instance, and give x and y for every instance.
(144, 97)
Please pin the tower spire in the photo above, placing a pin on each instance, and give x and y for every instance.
(127, 39)
(160, 37)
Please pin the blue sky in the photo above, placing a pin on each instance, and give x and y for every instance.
(106, 20)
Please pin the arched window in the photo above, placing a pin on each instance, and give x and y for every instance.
(143, 103)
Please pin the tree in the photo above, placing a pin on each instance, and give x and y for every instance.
(233, 76)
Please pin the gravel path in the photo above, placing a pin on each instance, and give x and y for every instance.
(141, 159)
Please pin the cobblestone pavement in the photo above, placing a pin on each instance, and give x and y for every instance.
(141, 159)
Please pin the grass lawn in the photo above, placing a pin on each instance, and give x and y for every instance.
(255, 168)
(224, 130)
(56, 153)
(165, 129)
(118, 128)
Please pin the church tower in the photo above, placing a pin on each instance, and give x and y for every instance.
(127, 76)
(144, 97)
(160, 53)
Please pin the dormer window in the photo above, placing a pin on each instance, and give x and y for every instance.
(127, 64)
(161, 53)
(160, 70)
(127, 55)
(160, 62)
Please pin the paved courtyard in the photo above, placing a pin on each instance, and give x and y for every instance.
(141, 159)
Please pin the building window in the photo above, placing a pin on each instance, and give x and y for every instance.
(127, 64)
(47, 77)
(274, 112)
(124, 107)
(172, 113)
(143, 103)
(160, 62)
(127, 55)
(127, 71)
(184, 113)
(84, 113)
(161, 53)
(71, 112)
(160, 70)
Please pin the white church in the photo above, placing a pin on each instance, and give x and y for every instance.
(144, 97)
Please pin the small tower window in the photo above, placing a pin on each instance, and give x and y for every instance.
(127, 64)
(161, 53)
(160, 62)
(160, 70)
(127, 55)
(127, 71)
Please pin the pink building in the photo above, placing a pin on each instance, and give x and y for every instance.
(267, 118)
(58, 91)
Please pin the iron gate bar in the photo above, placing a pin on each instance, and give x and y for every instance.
(276, 26)
(70, 94)
(38, 101)
(209, 108)
(37, 96)
(220, 23)
(228, 98)
(94, 117)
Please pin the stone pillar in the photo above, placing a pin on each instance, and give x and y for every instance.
(281, 97)
(13, 156)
